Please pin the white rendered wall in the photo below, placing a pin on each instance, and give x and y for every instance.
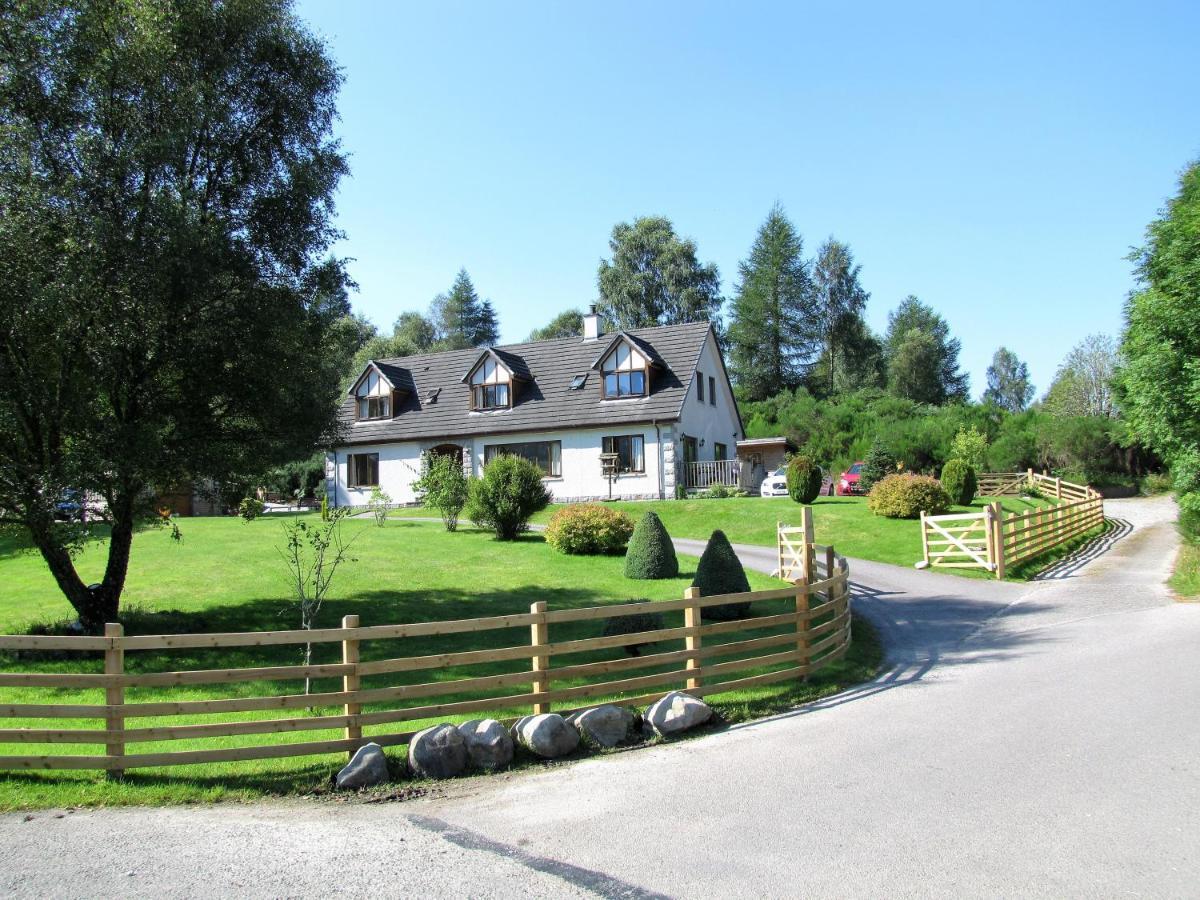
(705, 421)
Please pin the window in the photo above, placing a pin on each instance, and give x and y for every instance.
(362, 470)
(624, 373)
(546, 455)
(712, 391)
(720, 452)
(491, 396)
(630, 450)
(578, 382)
(700, 385)
(373, 397)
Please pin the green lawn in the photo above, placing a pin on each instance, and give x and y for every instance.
(226, 575)
(844, 522)
(1185, 581)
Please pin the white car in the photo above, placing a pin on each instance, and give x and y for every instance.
(775, 484)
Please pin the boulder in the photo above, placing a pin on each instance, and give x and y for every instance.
(548, 735)
(437, 752)
(604, 726)
(677, 712)
(489, 745)
(367, 768)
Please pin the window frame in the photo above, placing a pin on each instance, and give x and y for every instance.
(352, 474)
(610, 443)
(617, 373)
(720, 452)
(700, 386)
(479, 391)
(491, 451)
(712, 390)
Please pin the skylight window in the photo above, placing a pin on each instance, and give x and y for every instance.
(578, 381)
(432, 396)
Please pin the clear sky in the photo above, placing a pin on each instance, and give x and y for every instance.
(996, 160)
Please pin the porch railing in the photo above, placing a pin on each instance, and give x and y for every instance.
(706, 474)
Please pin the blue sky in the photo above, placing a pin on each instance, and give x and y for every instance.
(996, 160)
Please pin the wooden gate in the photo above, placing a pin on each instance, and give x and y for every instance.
(958, 541)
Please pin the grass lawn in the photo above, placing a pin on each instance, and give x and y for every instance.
(226, 575)
(844, 522)
(1185, 581)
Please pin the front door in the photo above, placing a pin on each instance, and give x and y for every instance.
(690, 452)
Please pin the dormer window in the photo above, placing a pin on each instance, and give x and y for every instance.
(625, 373)
(373, 397)
(491, 385)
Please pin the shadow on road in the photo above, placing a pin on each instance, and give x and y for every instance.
(1070, 564)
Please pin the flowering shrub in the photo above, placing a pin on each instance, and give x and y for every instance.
(589, 528)
(906, 496)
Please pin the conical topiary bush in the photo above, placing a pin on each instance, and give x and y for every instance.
(651, 553)
(721, 572)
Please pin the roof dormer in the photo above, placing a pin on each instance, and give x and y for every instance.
(495, 380)
(379, 391)
(626, 365)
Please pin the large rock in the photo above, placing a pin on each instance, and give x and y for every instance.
(677, 712)
(548, 735)
(437, 752)
(367, 768)
(604, 726)
(489, 745)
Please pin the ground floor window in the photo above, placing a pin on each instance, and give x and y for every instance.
(630, 452)
(720, 452)
(363, 470)
(546, 455)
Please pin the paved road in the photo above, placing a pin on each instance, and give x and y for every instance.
(1025, 739)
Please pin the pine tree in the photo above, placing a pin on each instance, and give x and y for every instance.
(839, 301)
(461, 319)
(773, 331)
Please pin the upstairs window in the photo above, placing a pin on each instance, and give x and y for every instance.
(625, 373)
(630, 451)
(700, 386)
(491, 386)
(373, 397)
(712, 391)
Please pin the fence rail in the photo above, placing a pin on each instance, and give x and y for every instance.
(993, 541)
(816, 631)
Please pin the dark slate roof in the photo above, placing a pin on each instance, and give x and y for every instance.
(545, 401)
(399, 376)
(510, 360)
(647, 350)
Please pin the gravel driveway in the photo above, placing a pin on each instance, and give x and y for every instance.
(1035, 739)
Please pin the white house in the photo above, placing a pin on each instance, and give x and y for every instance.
(626, 415)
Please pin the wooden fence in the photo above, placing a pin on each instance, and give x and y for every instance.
(812, 632)
(993, 541)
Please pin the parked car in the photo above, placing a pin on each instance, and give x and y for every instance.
(69, 507)
(848, 482)
(775, 484)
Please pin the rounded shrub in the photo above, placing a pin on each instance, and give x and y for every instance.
(958, 478)
(906, 496)
(803, 479)
(251, 508)
(633, 623)
(589, 528)
(508, 493)
(721, 572)
(651, 553)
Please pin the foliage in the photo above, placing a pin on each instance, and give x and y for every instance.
(304, 475)
(1083, 384)
(379, 504)
(681, 492)
(1008, 384)
(922, 358)
(508, 493)
(878, 464)
(960, 481)
(1160, 378)
(654, 277)
(567, 324)
(589, 528)
(1155, 483)
(721, 492)
(803, 479)
(971, 446)
(460, 319)
(651, 553)
(720, 572)
(839, 300)
(633, 623)
(907, 496)
(313, 554)
(772, 334)
(250, 508)
(856, 364)
(444, 486)
(412, 333)
(166, 180)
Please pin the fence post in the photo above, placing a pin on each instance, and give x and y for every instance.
(691, 642)
(539, 635)
(806, 520)
(1030, 481)
(779, 545)
(802, 622)
(998, 538)
(351, 682)
(1058, 489)
(924, 539)
(830, 562)
(114, 695)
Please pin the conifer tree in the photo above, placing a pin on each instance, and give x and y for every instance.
(461, 319)
(839, 301)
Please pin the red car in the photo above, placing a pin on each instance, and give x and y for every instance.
(848, 480)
